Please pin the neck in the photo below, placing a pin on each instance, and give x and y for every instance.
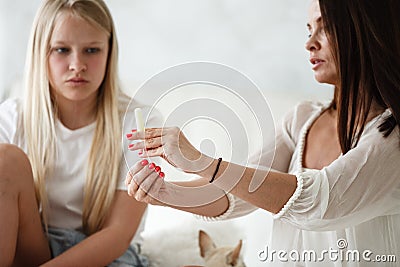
(76, 114)
(374, 111)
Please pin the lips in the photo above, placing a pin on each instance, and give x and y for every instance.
(316, 62)
(76, 81)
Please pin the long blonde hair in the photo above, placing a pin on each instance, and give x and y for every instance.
(40, 113)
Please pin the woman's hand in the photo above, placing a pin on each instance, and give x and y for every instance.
(172, 145)
(145, 182)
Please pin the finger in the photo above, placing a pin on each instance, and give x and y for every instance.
(153, 142)
(148, 143)
(138, 179)
(135, 135)
(135, 169)
(141, 196)
(154, 132)
(145, 187)
(136, 146)
(148, 133)
(154, 152)
(132, 188)
(153, 196)
(157, 186)
(140, 176)
(146, 184)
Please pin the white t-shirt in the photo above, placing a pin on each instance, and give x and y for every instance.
(65, 187)
(351, 206)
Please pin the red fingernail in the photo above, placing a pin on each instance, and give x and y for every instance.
(152, 166)
(133, 130)
(130, 146)
(140, 152)
(128, 135)
(157, 169)
(161, 174)
(144, 162)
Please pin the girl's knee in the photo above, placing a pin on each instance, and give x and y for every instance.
(13, 160)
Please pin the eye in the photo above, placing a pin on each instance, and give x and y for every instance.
(92, 50)
(61, 50)
(309, 31)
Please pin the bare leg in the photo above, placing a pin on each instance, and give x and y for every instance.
(22, 241)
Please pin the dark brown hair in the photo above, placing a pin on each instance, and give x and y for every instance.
(365, 36)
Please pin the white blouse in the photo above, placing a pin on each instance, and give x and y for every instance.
(348, 213)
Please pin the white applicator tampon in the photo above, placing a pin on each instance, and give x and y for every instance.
(139, 120)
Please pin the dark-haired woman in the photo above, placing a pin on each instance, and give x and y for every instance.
(334, 183)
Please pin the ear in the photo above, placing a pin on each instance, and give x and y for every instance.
(205, 243)
(233, 257)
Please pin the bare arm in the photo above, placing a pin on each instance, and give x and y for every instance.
(212, 209)
(272, 194)
(111, 241)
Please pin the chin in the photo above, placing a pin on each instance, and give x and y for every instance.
(324, 79)
(77, 97)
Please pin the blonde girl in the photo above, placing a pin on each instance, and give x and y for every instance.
(62, 197)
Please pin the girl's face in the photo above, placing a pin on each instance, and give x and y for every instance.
(77, 60)
(321, 56)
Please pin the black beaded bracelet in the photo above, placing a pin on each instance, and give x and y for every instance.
(216, 170)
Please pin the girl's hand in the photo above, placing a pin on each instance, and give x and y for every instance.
(172, 145)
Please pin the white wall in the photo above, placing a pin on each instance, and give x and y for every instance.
(264, 39)
(15, 21)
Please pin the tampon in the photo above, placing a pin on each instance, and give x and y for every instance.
(139, 120)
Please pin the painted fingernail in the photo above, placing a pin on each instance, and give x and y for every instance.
(144, 162)
(157, 169)
(152, 166)
(129, 135)
(130, 146)
(140, 152)
(134, 130)
(161, 174)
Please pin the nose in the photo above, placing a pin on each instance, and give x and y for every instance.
(77, 63)
(312, 43)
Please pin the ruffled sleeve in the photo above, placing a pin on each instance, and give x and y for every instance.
(357, 187)
(237, 208)
(274, 155)
(310, 196)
